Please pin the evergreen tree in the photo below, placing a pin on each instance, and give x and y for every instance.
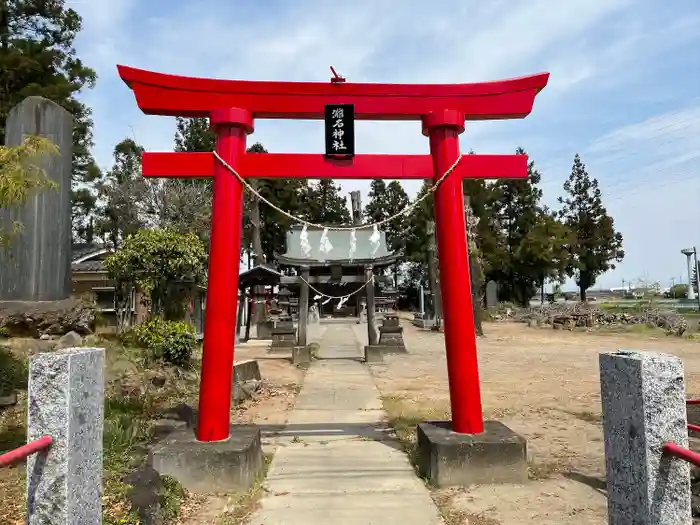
(416, 239)
(122, 195)
(37, 58)
(519, 244)
(323, 204)
(384, 202)
(594, 244)
(194, 134)
(185, 204)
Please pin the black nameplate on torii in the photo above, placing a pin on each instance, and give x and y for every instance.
(340, 130)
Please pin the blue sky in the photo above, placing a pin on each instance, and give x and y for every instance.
(624, 89)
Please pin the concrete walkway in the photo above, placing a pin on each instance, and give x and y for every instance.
(337, 465)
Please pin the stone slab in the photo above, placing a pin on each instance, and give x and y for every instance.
(643, 400)
(264, 330)
(374, 354)
(390, 349)
(232, 465)
(66, 402)
(491, 295)
(390, 329)
(446, 458)
(285, 349)
(423, 323)
(301, 355)
(246, 370)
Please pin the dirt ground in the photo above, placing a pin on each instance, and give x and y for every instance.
(544, 384)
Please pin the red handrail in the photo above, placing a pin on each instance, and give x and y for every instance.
(18, 454)
(677, 451)
(692, 402)
(694, 428)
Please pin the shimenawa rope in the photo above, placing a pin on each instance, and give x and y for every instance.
(405, 211)
(371, 280)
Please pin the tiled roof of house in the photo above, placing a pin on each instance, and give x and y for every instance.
(93, 252)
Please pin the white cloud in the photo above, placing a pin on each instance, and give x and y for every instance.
(598, 52)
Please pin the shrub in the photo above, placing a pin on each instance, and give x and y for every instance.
(173, 341)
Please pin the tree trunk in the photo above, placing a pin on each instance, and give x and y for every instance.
(475, 272)
(433, 277)
(582, 293)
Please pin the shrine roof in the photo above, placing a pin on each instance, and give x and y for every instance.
(261, 275)
(340, 252)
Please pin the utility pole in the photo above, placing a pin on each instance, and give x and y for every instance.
(697, 276)
(356, 204)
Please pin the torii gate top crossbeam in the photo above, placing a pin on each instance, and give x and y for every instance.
(172, 95)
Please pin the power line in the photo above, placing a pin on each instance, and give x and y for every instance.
(644, 184)
(607, 160)
(689, 106)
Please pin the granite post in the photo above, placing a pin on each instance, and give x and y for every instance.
(421, 301)
(643, 400)
(66, 402)
(36, 265)
(371, 321)
(303, 305)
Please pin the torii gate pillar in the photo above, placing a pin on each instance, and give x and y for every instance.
(232, 126)
(443, 129)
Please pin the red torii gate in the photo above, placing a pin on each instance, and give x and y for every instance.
(232, 106)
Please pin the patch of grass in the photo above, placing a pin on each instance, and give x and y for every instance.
(587, 416)
(244, 505)
(638, 329)
(14, 372)
(127, 429)
(405, 414)
(453, 516)
(537, 470)
(171, 497)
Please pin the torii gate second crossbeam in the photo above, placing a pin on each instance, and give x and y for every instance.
(232, 107)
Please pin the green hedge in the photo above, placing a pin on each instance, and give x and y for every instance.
(173, 341)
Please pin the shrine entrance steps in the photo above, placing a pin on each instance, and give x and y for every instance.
(336, 461)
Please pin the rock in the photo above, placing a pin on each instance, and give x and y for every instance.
(145, 494)
(164, 427)
(245, 390)
(158, 381)
(532, 323)
(8, 400)
(33, 319)
(69, 340)
(45, 337)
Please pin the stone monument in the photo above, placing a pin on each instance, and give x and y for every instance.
(36, 265)
(491, 295)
